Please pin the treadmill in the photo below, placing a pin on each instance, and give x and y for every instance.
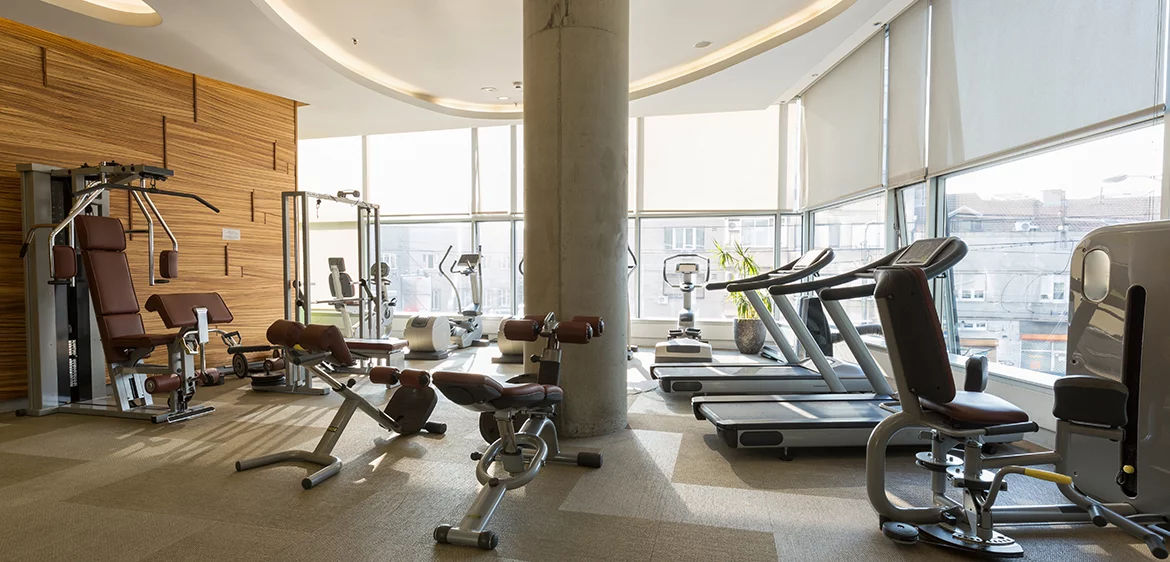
(794, 375)
(833, 419)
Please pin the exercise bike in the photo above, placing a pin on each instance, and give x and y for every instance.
(432, 336)
(684, 344)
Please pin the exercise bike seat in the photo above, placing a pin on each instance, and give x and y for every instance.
(486, 394)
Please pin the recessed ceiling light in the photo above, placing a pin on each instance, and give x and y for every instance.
(355, 40)
(488, 89)
(502, 98)
(702, 44)
(518, 85)
(125, 12)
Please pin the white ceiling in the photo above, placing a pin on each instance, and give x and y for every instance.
(452, 47)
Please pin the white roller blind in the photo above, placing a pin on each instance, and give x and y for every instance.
(1005, 74)
(907, 128)
(842, 127)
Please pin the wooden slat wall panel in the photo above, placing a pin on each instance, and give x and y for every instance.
(88, 104)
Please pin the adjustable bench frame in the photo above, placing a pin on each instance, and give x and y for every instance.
(407, 412)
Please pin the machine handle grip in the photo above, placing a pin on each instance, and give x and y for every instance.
(1048, 476)
(1010, 428)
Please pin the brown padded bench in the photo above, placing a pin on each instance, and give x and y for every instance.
(102, 242)
(327, 338)
(486, 394)
(178, 311)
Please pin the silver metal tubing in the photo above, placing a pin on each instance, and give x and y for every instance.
(162, 222)
(875, 474)
(378, 293)
(331, 464)
(363, 223)
(1023, 459)
(289, 301)
(773, 328)
(149, 235)
(810, 345)
(517, 479)
(860, 351)
(68, 222)
(304, 273)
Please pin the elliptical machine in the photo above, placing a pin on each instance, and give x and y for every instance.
(468, 330)
(684, 344)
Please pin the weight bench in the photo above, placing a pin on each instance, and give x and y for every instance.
(360, 357)
(314, 348)
(124, 339)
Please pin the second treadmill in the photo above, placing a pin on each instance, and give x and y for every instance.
(832, 419)
(816, 374)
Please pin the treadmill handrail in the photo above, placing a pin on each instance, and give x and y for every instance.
(951, 254)
(839, 279)
(780, 276)
(720, 285)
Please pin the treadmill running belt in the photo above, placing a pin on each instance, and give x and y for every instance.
(796, 414)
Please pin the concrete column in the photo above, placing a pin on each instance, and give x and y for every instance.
(576, 81)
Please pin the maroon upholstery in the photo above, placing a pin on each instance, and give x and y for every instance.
(178, 311)
(102, 240)
(285, 333)
(552, 395)
(467, 389)
(522, 330)
(100, 233)
(595, 322)
(168, 264)
(318, 338)
(574, 332)
(412, 378)
(978, 408)
(64, 262)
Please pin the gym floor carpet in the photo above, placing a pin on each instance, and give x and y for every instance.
(91, 488)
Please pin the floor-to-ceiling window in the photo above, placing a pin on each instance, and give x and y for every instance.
(1021, 221)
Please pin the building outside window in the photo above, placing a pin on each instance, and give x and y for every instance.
(661, 239)
(856, 232)
(1022, 220)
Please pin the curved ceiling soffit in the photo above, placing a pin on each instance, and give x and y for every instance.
(368, 75)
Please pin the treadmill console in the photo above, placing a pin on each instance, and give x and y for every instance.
(922, 252)
(809, 258)
(686, 268)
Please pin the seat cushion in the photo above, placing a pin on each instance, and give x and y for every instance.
(467, 389)
(520, 396)
(144, 340)
(178, 310)
(484, 393)
(552, 395)
(979, 409)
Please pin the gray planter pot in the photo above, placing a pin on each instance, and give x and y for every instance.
(749, 335)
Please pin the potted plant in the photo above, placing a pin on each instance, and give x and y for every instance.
(747, 327)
